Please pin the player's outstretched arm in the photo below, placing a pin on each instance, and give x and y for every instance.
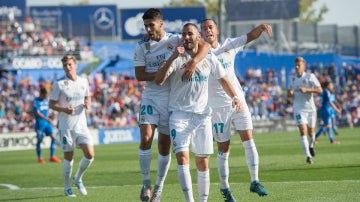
(257, 31)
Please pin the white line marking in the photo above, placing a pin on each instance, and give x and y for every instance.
(10, 186)
(114, 186)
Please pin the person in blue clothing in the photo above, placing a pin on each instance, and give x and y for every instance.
(327, 106)
(334, 113)
(44, 126)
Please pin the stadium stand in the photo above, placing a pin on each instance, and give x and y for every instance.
(116, 93)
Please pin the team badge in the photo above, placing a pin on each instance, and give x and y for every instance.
(66, 83)
(82, 88)
(184, 58)
(147, 46)
(169, 46)
(227, 51)
(142, 118)
(205, 64)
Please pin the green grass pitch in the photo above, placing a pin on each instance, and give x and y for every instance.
(115, 175)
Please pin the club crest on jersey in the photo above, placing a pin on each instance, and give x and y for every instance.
(147, 46)
(184, 58)
(82, 88)
(66, 83)
(205, 65)
(142, 118)
(227, 51)
(169, 46)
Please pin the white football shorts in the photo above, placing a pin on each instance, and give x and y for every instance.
(155, 112)
(68, 139)
(305, 118)
(191, 128)
(223, 117)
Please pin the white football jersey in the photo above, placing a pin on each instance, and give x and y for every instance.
(192, 95)
(150, 54)
(69, 93)
(304, 102)
(226, 53)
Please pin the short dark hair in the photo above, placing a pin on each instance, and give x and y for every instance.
(326, 83)
(43, 91)
(191, 24)
(152, 14)
(206, 19)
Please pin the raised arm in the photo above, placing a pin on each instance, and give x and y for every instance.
(257, 31)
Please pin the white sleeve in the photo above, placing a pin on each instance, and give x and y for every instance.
(54, 93)
(87, 89)
(237, 43)
(314, 80)
(139, 57)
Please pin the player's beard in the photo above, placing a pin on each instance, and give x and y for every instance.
(188, 46)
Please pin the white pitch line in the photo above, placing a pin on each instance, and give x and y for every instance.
(13, 187)
(10, 186)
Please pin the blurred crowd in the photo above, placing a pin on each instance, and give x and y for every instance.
(116, 100)
(28, 39)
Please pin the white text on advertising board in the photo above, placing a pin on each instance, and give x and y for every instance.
(116, 136)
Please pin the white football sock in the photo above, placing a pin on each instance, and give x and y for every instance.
(203, 178)
(145, 161)
(312, 140)
(67, 169)
(185, 182)
(305, 145)
(222, 162)
(163, 167)
(252, 159)
(83, 165)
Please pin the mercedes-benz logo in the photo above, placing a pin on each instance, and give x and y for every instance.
(104, 18)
